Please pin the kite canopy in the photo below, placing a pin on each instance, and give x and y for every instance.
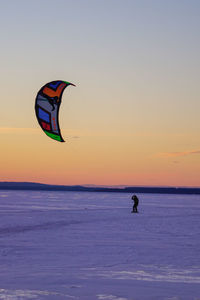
(47, 104)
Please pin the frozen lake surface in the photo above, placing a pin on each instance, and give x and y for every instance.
(79, 245)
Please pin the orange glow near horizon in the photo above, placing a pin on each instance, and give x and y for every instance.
(88, 159)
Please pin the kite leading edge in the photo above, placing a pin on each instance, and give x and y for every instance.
(47, 104)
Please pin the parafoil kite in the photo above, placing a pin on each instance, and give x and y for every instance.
(47, 104)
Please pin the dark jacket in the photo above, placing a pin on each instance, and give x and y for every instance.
(136, 200)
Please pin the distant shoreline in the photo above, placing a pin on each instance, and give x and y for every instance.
(79, 188)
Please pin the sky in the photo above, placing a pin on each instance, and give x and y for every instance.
(133, 117)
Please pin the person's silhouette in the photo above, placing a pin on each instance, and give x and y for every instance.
(135, 205)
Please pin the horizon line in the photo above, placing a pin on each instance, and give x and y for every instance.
(103, 185)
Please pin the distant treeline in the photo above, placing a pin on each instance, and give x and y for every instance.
(78, 188)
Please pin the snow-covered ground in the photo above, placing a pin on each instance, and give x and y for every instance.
(79, 245)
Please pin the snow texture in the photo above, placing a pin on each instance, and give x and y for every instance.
(79, 245)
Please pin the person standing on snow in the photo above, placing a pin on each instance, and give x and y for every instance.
(136, 202)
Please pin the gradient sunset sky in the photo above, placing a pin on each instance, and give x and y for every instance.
(133, 117)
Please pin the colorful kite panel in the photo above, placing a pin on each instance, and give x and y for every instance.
(47, 104)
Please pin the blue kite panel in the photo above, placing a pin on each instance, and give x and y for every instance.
(55, 84)
(43, 115)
